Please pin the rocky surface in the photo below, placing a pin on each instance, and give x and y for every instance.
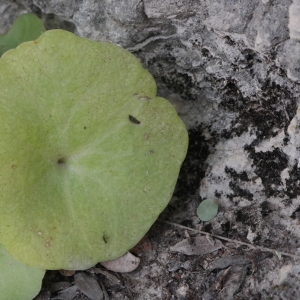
(232, 71)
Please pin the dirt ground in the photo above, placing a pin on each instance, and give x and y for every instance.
(237, 270)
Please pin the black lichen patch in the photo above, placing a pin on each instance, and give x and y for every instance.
(239, 192)
(235, 184)
(248, 217)
(268, 166)
(293, 182)
(268, 112)
(265, 208)
(250, 57)
(243, 176)
(296, 214)
(218, 194)
(205, 52)
(245, 218)
(235, 102)
(166, 72)
(227, 227)
(229, 41)
(180, 83)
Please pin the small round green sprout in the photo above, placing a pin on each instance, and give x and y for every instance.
(207, 210)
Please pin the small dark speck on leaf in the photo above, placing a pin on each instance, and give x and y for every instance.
(134, 120)
(104, 239)
(61, 161)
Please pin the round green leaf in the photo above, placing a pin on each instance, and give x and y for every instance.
(27, 27)
(89, 155)
(207, 210)
(18, 281)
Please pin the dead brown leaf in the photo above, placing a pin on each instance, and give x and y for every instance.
(88, 285)
(198, 245)
(142, 246)
(225, 262)
(124, 264)
(58, 286)
(234, 280)
(67, 272)
(67, 294)
(109, 276)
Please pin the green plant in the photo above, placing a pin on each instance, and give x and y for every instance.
(89, 154)
(26, 27)
(207, 210)
(18, 281)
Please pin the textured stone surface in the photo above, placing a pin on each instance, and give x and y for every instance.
(294, 20)
(233, 73)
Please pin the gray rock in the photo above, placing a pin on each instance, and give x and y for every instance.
(268, 26)
(289, 59)
(230, 15)
(294, 20)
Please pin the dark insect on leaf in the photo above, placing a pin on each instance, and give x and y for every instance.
(134, 120)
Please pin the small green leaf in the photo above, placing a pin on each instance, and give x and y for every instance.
(207, 210)
(18, 281)
(27, 27)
